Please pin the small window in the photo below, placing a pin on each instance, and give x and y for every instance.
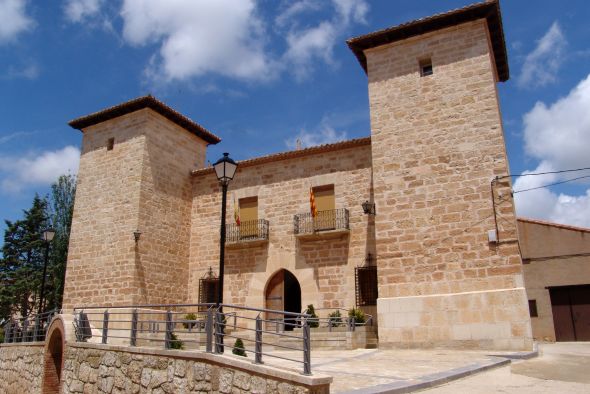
(110, 144)
(533, 308)
(426, 67)
(248, 217)
(208, 288)
(324, 198)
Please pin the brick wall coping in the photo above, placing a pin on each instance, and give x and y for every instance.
(221, 360)
(17, 344)
(551, 224)
(139, 103)
(314, 150)
(490, 10)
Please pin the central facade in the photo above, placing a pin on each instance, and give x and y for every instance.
(437, 265)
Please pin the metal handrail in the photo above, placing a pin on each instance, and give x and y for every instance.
(334, 219)
(28, 329)
(213, 325)
(249, 230)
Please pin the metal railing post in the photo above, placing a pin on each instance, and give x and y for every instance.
(36, 332)
(209, 330)
(306, 349)
(258, 346)
(133, 339)
(218, 332)
(8, 333)
(105, 326)
(168, 337)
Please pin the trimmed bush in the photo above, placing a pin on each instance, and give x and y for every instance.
(239, 348)
(191, 324)
(358, 315)
(313, 321)
(175, 343)
(335, 319)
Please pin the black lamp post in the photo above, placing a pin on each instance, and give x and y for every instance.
(225, 169)
(47, 237)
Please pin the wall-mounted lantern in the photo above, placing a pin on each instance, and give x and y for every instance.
(136, 235)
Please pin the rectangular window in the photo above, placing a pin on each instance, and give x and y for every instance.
(208, 288)
(248, 217)
(425, 67)
(325, 203)
(533, 308)
(110, 144)
(366, 285)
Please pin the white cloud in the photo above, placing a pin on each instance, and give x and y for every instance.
(560, 133)
(78, 10)
(13, 19)
(40, 169)
(295, 9)
(28, 72)
(324, 134)
(541, 65)
(305, 46)
(199, 37)
(558, 136)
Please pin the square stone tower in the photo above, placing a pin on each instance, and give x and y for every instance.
(134, 176)
(437, 147)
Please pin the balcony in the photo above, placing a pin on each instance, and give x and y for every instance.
(327, 224)
(248, 233)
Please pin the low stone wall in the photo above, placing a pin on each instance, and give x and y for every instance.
(115, 369)
(21, 368)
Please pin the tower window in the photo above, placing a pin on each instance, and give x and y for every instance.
(110, 144)
(533, 308)
(425, 67)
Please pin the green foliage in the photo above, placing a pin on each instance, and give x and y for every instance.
(239, 348)
(189, 316)
(313, 321)
(1, 334)
(175, 343)
(358, 315)
(23, 252)
(335, 319)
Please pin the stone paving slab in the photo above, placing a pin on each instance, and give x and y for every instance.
(396, 371)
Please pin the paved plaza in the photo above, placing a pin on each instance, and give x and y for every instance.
(560, 367)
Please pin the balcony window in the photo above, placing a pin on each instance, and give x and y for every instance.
(248, 217)
(329, 221)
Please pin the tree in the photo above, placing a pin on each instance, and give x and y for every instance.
(61, 208)
(21, 267)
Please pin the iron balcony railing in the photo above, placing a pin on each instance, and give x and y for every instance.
(250, 230)
(335, 219)
(28, 329)
(204, 327)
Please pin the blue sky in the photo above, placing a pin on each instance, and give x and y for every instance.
(263, 73)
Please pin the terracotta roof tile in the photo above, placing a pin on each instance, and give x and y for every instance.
(294, 154)
(558, 225)
(489, 10)
(140, 103)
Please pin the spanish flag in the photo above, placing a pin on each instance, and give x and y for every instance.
(312, 207)
(236, 212)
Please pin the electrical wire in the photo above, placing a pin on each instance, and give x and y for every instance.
(551, 184)
(543, 173)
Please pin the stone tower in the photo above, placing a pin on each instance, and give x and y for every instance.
(437, 145)
(134, 175)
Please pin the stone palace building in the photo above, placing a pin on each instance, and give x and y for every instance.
(435, 260)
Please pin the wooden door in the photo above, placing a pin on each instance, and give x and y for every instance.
(275, 300)
(562, 314)
(580, 297)
(571, 312)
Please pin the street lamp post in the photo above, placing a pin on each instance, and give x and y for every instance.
(225, 169)
(47, 237)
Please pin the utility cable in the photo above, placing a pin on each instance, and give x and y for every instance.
(551, 184)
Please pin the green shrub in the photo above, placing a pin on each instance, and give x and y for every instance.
(189, 316)
(313, 320)
(335, 319)
(1, 335)
(239, 348)
(175, 343)
(358, 315)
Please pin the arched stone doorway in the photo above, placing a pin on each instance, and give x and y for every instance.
(53, 359)
(283, 293)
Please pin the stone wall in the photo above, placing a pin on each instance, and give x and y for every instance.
(21, 368)
(437, 143)
(108, 369)
(143, 184)
(323, 267)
